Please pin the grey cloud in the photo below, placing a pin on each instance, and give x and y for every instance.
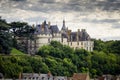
(47, 1)
(100, 21)
(18, 0)
(33, 19)
(108, 5)
(72, 5)
(116, 25)
(111, 38)
(11, 19)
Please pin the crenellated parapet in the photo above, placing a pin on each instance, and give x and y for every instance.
(44, 35)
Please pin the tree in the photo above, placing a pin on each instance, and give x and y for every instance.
(24, 31)
(5, 38)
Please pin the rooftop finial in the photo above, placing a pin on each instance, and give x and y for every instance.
(64, 27)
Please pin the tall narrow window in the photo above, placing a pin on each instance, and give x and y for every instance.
(48, 40)
(81, 43)
(77, 43)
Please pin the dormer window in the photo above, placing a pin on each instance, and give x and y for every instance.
(43, 78)
(36, 78)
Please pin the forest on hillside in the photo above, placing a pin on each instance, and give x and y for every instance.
(55, 58)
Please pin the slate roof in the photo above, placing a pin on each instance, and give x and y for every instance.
(54, 29)
(45, 29)
(63, 28)
(64, 35)
(82, 36)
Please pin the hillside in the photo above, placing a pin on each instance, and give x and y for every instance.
(60, 60)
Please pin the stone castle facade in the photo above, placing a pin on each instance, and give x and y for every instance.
(46, 32)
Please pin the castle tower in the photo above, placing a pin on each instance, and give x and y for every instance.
(64, 29)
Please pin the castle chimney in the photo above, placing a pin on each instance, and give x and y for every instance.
(69, 32)
(33, 26)
(77, 36)
(42, 26)
(49, 24)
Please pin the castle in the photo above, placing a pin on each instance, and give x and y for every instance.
(45, 33)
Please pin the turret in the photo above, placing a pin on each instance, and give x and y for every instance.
(64, 29)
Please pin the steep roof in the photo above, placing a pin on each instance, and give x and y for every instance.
(82, 36)
(64, 35)
(54, 29)
(42, 30)
(46, 29)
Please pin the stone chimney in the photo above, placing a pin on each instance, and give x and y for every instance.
(43, 27)
(69, 32)
(77, 36)
(49, 24)
(33, 26)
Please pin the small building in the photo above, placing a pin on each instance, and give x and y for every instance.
(60, 78)
(81, 76)
(36, 76)
(109, 77)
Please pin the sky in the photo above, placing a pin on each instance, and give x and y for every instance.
(100, 18)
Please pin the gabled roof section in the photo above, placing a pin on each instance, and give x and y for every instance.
(81, 36)
(54, 29)
(42, 29)
(64, 35)
(73, 36)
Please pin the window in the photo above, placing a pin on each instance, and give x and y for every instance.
(48, 40)
(36, 78)
(87, 48)
(71, 43)
(48, 78)
(25, 77)
(81, 43)
(62, 39)
(77, 43)
(76, 48)
(29, 77)
(43, 78)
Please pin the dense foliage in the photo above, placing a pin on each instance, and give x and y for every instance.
(98, 62)
(5, 38)
(9, 32)
(57, 58)
(61, 60)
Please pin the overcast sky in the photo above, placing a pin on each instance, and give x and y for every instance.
(101, 18)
